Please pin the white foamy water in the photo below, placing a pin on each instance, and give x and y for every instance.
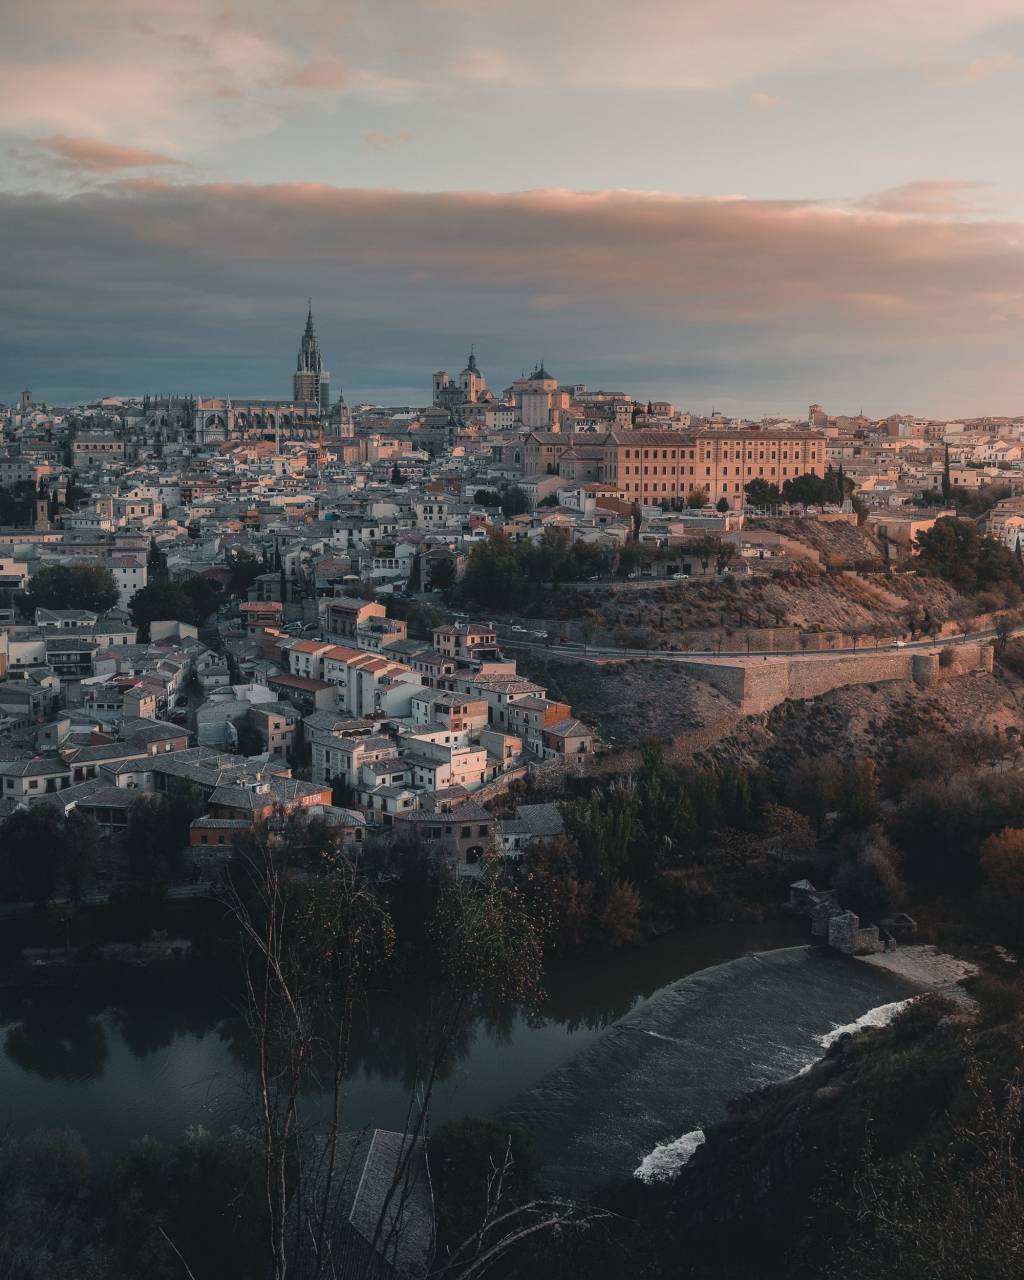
(878, 1017)
(674, 1062)
(664, 1162)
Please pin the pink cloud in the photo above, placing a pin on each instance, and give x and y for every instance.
(775, 295)
(798, 271)
(329, 74)
(385, 141)
(936, 197)
(95, 156)
(764, 101)
(955, 74)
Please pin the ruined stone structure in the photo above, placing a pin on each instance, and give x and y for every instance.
(848, 935)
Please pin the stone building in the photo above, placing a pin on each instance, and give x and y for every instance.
(311, 382)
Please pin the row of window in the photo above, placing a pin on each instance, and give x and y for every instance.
(736, 456)
(465, 833)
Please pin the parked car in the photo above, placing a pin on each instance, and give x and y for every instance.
(681, 577)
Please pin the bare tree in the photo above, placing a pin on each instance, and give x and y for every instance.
(312, 940)
(308, 947)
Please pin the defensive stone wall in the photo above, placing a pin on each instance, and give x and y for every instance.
(757, 687)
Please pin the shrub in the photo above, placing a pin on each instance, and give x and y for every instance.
(1001, 999)
(685, 896)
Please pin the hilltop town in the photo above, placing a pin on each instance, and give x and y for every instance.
(396, 620)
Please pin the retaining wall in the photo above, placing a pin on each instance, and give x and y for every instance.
(757, 687)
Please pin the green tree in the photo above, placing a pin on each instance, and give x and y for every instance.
(761, 493)
(493, 573)
(18, 503)
(953, 549)
(514, 502)
(722, 506)
(158, 832)
(61, 586)
(204, 594)
(442, 574)
(706, 549)
(161, 602)
(80, 852)
(808, 490)
(34, 844)
(156, 563)
(243, 570)
(396, 475)
(724, 555)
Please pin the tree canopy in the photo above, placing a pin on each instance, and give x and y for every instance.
(954, 550)
(243, 570)
(811, 490)
(18, 503)
(762, 493)
(82, 586)
(191, 602)
(498, 569)
(514, 502)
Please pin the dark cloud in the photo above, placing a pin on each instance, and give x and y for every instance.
(747, 304)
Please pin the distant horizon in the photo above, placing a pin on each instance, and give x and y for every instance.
(420, 398)
(682, 203)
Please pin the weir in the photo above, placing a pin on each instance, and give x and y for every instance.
(673, 1064)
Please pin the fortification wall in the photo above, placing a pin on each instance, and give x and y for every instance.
(757, 687)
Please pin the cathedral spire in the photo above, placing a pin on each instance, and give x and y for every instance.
(311, 381)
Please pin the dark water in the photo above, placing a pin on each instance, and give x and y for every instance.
(672, 1064)
(589, 1072)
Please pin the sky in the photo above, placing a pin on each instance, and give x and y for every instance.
(746, 205)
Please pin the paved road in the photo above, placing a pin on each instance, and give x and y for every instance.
(578, 649)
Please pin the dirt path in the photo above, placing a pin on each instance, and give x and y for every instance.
(928, 967)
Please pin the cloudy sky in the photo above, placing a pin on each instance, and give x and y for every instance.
(741, 204)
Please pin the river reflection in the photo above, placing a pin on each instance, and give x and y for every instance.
(118, 1071)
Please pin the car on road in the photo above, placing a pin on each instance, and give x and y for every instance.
(899, 644)
(681, 577)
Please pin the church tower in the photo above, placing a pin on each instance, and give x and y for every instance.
(311, 381)
(471, 380)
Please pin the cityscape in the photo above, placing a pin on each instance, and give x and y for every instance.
(559, 814)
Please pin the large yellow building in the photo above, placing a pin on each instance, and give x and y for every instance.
(655, 466)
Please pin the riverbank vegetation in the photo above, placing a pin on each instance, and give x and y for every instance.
(666, 846)
(898, 1153)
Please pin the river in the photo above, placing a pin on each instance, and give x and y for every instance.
(628, 1051)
